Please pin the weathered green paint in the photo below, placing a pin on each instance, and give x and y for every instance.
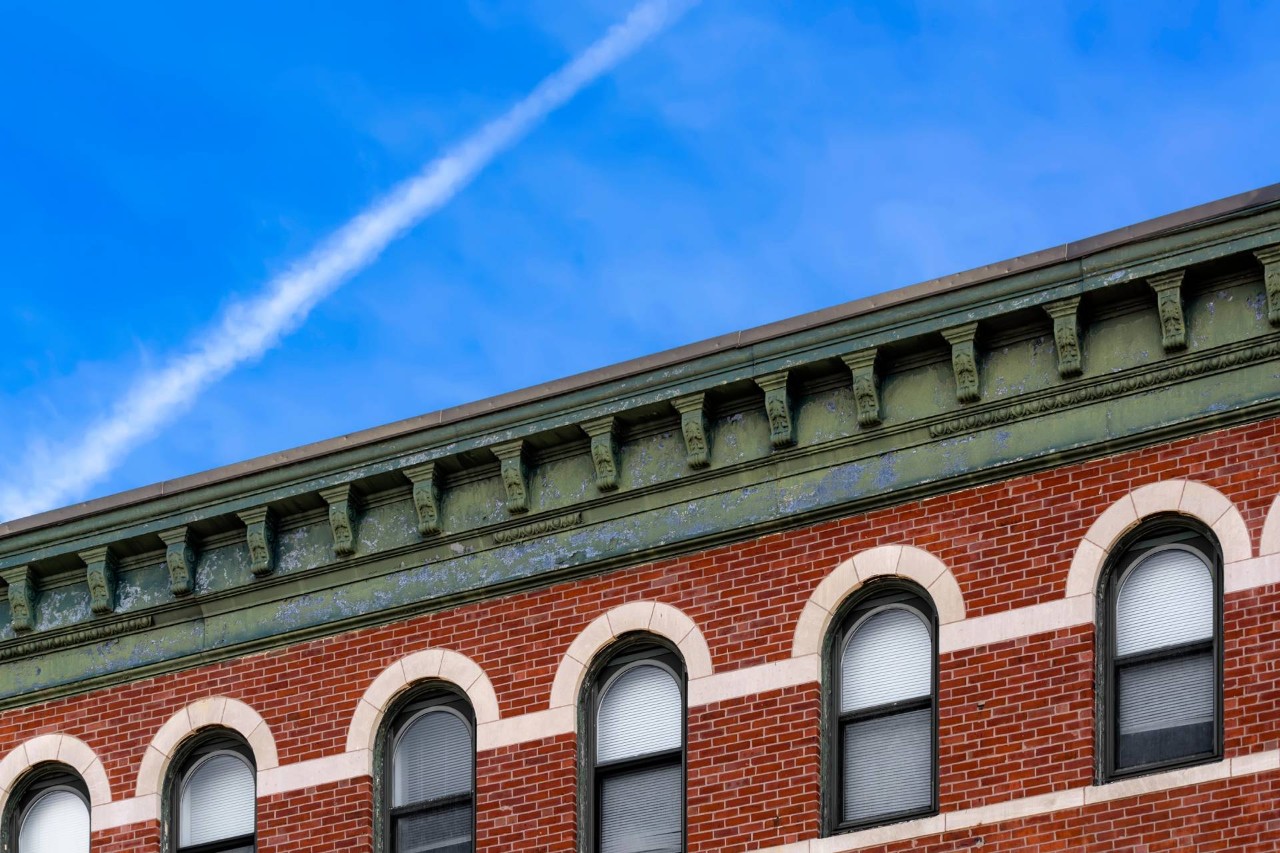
(435, 540)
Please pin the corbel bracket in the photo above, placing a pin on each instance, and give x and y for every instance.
(1173, 325)
(604, 451)
(1066, 334)
(866, 385)
(100, 572)
(964, 360)
(777, 407)
(693, 423)
(260, 535)
(515, 474)
(180, 557)
(1270, 257)
(23, 588)
(426, 496)
(344, 506)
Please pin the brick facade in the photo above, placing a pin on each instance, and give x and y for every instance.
(1016, 717)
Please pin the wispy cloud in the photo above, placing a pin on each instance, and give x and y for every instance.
(245, 330)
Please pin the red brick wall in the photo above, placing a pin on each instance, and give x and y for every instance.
(753, 762)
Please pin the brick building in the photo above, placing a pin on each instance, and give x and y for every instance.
(991, 562)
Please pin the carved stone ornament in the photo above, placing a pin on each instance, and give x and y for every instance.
(604, 451)
(515, 476)
(693, 423)
(1173, 325)
(100, 572)
(343, 506)
(866, 387)
(180, 557)
(777, 406)
(964, 360)
(1270, 258)
(22, 598)
(1066, 334)
(260, 535)
(426, 496)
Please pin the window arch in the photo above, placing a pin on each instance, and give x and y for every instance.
(881, 744)
(635, 750)
(49, 812)
(1161, 660)
(427, 777)
(213, 796)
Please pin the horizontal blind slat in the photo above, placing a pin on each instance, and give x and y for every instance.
(1166, 600)
(640, 713)
(432, 759)
(888, 659)
(888, 765)
(218, 801)
(57, 822)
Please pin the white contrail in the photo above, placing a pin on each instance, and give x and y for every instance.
(247, 329)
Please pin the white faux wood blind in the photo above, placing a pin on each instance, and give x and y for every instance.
(440, 830)
(432, 759)
(218, 800)
(888, 659)
(888, 765)
(641, 811)
(1167, 694)
(1165, 601)
(640, 713)
(57, 822)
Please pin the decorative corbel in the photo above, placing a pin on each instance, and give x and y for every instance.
(1066, 334)
(260, 536)
(23, 588)
(426, 496)
(777, 407)
(1270, 257)
(100, 572)
(343, 509)
(866, 385)
(1173, 325)
(693, 423)
(964, 360)
(180, 556)
(604, 451)
(515, 475)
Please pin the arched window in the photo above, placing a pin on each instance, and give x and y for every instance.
(50, 812)
(880, 754)
(214, 797)
(1163, 672)
(636, 751)
(429, 779)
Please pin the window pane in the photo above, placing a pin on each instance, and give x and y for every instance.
(57, 822)
(888, 765)
(889, 658)
(432, 759)
(217, 800)
(1166, 600)
(443, 830)
(641, 811)
(641, 712)
(1166, 710)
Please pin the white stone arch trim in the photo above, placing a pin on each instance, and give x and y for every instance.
(202, 714)
(1270, 543)
(63, 749)
(432, 664)
(1184, 497)
(652, 617)
(904, 561)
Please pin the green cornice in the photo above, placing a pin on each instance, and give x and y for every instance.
(966, 385)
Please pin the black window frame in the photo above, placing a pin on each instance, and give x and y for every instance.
(419, 700)
(199, 748)
(1154, 534)
(626, 652)
(35, 783)
(875, 596)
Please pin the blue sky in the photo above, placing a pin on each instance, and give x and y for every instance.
(756, 161)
